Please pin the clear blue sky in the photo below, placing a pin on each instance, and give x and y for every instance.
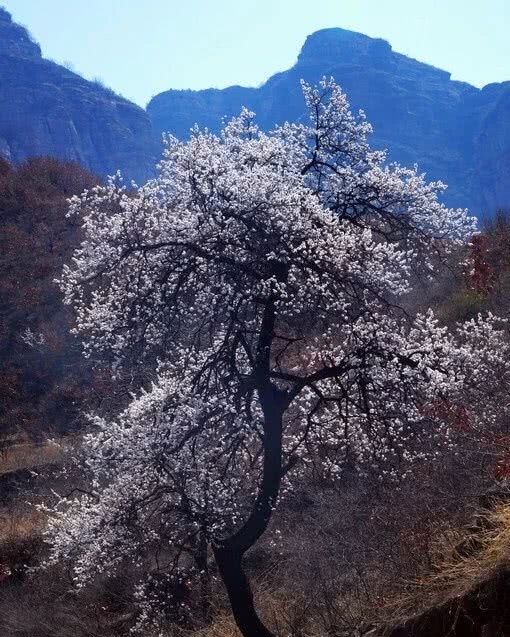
(142, 47)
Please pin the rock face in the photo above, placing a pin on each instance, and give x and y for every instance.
(45, 109)
(454, 131)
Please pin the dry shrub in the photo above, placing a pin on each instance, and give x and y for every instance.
(46, 606)
(284, 612)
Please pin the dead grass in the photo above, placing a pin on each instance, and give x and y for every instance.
(29, 455)
(484, 553)
(20, 525)
(287, 613)
(223, 625)
(465, 561)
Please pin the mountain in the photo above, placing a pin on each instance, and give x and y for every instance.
(45, 109)
(454, 131)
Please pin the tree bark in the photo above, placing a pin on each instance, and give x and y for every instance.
(239, 593)
(229, 552)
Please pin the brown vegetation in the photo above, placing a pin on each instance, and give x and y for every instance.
(42, 380)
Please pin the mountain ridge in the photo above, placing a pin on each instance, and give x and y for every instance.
(418, 112)
(455, 132)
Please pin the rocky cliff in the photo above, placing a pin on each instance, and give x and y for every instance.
(454, 131)
(45, 109)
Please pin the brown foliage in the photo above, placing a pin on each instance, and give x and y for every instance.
(43, 376)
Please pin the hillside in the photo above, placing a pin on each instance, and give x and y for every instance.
(454, 131)
(45, 109)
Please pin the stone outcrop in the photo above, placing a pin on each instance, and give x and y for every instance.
(454, 131)
(46, 109)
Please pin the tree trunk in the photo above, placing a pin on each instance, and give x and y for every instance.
(239, 593)
(229, 552)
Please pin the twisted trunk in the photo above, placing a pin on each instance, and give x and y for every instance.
(229, 552)
(240, 594)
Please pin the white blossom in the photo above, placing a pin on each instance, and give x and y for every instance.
(305, 224)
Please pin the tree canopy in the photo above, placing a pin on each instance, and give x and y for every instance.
(262, 277)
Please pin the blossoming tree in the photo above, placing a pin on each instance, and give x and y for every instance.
(262, 275)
